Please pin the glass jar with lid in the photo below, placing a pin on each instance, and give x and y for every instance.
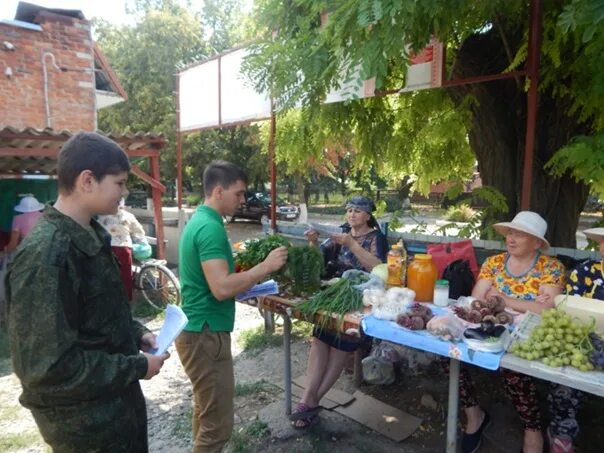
(421, 277)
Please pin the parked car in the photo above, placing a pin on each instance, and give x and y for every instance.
(258, 204)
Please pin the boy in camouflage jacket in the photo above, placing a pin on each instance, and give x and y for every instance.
(74, 344)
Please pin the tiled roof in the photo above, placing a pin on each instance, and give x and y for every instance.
(17, 144)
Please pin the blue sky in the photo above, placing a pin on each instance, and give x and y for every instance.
(113, 11)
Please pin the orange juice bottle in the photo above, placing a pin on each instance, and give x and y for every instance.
(395, 264)
(421, 277)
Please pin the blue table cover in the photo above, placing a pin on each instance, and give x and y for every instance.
(422, 339)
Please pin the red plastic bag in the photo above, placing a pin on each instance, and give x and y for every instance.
(445, 253)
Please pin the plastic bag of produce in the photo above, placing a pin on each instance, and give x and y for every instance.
(377, 370)
(447, 327)
(363, 280)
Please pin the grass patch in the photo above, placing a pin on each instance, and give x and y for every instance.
(4, 345)
(251, 388)
(255, 340)
(14, 442)
(182, 426)
(245, 439)
(141, 309)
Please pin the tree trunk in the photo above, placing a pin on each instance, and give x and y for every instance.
(497, 134)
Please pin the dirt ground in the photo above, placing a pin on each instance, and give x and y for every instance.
(261, 425)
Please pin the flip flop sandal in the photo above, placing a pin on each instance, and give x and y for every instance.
(305, 423)
(304, 411)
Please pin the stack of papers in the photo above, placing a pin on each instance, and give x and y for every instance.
(175, 322)
(261, 289)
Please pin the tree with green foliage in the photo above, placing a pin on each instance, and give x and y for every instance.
(298, 59)
(146, 56)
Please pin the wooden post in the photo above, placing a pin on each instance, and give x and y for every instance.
(157, 211)
(532, 100)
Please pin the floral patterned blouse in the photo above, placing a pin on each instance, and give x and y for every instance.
(586, 280)
(547, 270)
(123, 227)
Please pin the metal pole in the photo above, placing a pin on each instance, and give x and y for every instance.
(532, 98)
(288, 364)
(178, 146)
(273, 167)
(453, 406)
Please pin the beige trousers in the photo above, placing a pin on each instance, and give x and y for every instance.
(206, 358)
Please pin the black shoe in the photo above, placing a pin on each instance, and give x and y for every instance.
(471, 442)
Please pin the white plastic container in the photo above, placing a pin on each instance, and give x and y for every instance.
(441, 293)
(583, 308)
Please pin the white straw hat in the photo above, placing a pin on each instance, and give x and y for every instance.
(528, 222)
(29, 204)
(595, 234)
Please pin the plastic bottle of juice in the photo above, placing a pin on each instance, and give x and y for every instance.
(394, 266)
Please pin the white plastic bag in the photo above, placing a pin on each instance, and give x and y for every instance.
(447, 327)
(373, 282)
(378, 371)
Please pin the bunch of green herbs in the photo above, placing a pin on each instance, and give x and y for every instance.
(337, 299)
(257, 250)
(304, 269)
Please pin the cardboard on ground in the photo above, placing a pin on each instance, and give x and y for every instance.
(386, 420)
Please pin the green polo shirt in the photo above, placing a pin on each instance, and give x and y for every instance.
(204, 238)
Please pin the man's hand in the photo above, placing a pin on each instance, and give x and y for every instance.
(275, 260)
(154, 363)
(148, 342)
(344, 239)
(312, 236)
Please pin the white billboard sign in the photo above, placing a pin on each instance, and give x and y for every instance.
(216, 93)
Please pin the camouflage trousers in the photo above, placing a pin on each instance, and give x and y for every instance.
(114, 425)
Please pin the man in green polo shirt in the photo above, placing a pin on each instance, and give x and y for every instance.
(209, 284)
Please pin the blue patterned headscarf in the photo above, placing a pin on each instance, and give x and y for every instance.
(361, 203)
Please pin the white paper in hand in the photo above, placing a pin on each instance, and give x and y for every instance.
(325, 229)
(175, 322)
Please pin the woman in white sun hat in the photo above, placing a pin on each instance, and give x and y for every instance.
(585, 280)
(527, 280)
(30, 209)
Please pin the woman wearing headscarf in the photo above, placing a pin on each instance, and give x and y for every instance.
(361, 245)
(527, 280)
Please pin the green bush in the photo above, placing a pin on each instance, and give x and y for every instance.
(168, 202)
(461, 213)
(393, 204)
(193, 199)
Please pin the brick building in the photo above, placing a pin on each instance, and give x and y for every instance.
(52, 74)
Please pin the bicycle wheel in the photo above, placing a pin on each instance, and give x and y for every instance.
(158, 285)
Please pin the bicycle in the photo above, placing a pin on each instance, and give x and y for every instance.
(158, 284)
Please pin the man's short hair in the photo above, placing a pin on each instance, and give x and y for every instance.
(89, 151)
(221, 173)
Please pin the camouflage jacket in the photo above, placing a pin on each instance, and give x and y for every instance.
(73, 339)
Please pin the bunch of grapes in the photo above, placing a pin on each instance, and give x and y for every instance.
(597, 356)
(558, 340)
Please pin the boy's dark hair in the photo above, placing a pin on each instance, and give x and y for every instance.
(223, 173)
(89, 151)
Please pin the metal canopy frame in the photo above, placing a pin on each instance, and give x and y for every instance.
(30, 153)
(531, 72)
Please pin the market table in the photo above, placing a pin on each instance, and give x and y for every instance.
(591, 382)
